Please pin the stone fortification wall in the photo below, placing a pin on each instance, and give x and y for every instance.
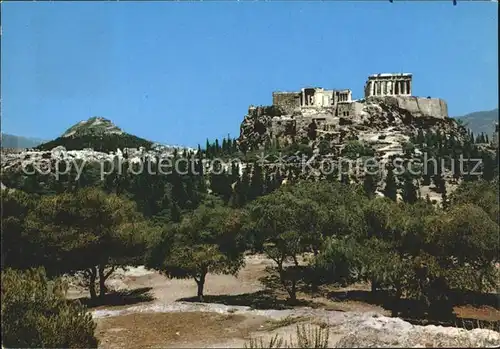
(287, 100)
(417, 106)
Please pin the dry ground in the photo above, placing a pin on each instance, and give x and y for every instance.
(211, 329)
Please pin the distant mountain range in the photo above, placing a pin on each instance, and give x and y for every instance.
(481, 121)
(12, 141)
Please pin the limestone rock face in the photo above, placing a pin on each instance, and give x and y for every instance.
(386, 332)
(94, 125)
(384, 122)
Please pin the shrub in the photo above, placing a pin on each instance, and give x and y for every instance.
(35, 313)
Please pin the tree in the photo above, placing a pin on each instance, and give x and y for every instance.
(256, 183)
(19, 250)
(338, 262)
(88, 231)
(369, 185)
(274, 226)
(480, 193)
(289, 222)
(409, 192)
(36, 313)
(206, 241)
(390, 189)
(466, 238)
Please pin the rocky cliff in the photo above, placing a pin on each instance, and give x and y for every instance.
(384, 123)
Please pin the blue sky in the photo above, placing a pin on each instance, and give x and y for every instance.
(181, 72)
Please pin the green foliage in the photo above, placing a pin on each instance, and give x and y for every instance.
(103, 143)
(35, 313)
(391, 187)
(18, 249)
(481, 193)
(85, 230)
(356, 149)
(338, 262)
(206, 241)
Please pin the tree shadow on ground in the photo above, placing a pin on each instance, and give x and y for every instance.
(415, 312)
(117, 298)
(475, 298)
(265, 299)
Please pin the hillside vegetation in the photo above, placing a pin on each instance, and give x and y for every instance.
(319, 230)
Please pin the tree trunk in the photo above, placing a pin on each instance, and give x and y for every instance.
(314, 283)
(293, 291)
(201, 284)
(92, 272)
(374, 288)
(102, 281)
(397, 301)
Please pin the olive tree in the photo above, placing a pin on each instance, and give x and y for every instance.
(88, 231)
(208, 240)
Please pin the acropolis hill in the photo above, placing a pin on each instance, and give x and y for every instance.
(385, 117)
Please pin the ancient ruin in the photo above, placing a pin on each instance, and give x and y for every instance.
(378, 85)
(385, 115)
(388, 85)
(312, 97)
(395, 89)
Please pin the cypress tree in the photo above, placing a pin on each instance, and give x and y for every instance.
(390, 189)
(175, 213)
(216, 147)
(256, 183)
(369, 185)
(409, 192)
(244, 187)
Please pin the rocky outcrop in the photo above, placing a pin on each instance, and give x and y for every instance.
(93, 126)
(374, 331)
(385, 122)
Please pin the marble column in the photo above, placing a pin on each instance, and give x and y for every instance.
(303, 98)
(409, 87)
(371, 88)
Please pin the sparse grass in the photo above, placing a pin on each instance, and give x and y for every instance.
(307, 336)
(274, 342)
(486, 325)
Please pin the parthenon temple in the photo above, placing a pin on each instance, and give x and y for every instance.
(388, 85)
